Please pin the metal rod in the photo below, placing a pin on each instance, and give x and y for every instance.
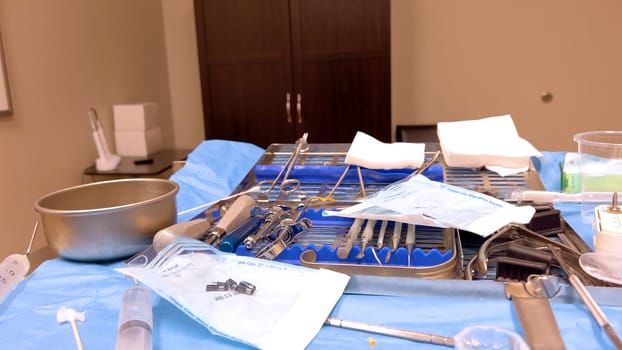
(594, 309)
(391, 331)
(427, 164)
(32, 238)
(410, 240)
(207, 205)
(343, 175)
(358, 171)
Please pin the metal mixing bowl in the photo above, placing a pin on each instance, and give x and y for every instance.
(107, 220)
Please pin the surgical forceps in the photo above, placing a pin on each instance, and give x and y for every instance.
(288, 185)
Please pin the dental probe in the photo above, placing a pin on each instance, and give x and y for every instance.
(410, 240)
(239, 211)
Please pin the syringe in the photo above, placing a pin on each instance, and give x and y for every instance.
(135, 320)
(14, 268)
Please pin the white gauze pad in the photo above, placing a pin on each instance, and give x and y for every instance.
(370, 153)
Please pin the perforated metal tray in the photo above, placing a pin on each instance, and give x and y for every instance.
(319, 167)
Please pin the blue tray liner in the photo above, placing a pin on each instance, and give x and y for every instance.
(326, 254)
(330, 174)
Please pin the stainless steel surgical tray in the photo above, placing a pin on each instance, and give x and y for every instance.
(319, 167)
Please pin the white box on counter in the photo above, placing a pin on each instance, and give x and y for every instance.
(137, 116)
(138, 143)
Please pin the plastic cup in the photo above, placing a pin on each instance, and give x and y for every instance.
(489, 337)
(600, 165)
(600, 160)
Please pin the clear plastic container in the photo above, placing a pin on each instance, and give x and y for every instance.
(600, 160)
(489, 337)
(600, 166)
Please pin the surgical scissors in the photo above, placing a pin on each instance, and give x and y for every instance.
(288, 185)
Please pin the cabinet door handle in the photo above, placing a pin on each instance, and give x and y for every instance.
(299, 107)
(288, 107)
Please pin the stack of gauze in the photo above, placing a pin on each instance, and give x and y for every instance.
(137, 133)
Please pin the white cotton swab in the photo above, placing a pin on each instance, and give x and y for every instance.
(65, 314)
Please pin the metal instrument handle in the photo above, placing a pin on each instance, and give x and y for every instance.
(396, 236)
(538, 322)
(231, 241)
(391, 331)
(344, 248)
(299, 107)
(410, 234)
(368, 231)
(383, 229)
(288, 107)
(239, 211)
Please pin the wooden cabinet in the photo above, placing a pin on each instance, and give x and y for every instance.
(274, 69)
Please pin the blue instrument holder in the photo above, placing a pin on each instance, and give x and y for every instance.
(330, 174)
(325, 253)
(321, 172)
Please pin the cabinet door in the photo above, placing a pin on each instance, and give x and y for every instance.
(245, 57)
(341, 58)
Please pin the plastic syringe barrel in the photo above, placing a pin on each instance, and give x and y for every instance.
(135, 320)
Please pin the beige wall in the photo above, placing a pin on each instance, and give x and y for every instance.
(454, 60)
(451, 60)
(62, 57)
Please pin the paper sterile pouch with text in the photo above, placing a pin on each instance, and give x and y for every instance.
(245, 299)
(421, 201)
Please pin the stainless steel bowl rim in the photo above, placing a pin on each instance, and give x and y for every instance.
(79, 212)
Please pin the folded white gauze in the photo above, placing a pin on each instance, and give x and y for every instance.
(492, 142)
(370, 153)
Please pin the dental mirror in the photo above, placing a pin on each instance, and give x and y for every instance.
(606, 267)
